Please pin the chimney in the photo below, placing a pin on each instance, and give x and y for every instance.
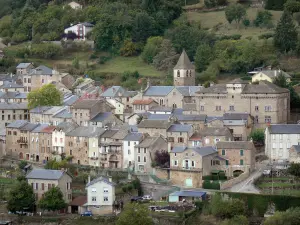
(89, 179)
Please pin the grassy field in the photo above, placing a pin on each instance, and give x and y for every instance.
(216, 21)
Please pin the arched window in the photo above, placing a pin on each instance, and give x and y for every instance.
(174, 106)
(190, 73)
(161, 101)
(187, 73)
(178, 73)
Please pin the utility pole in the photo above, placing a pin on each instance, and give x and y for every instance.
(272, 179)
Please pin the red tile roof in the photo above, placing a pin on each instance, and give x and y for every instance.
(48, 129)
(143, 101)
(79, 201)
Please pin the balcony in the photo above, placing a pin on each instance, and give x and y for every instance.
(22, 141)
(94, 158)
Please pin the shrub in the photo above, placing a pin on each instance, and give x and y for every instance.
(263, 17)
(231, 37)
(246, 22)
(266, 36)
(124, 189)
(103, 59)
(211, 185)
(129, 49)
(93, 56)
(246, 78)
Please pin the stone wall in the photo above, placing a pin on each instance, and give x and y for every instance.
(231, 182)
(178, 178)
(161, 173)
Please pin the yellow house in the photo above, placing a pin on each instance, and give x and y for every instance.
(269, 75)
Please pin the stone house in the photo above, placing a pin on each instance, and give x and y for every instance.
(197, 121)
(129, 143)
(154, 127)
(42, 180)
(265, 101)
(24, 68)
(269, 75)
(62, 116)
(119, 107)
(2, 143)
(279, 138)
(105, 119)
(145, 152)
(85, 110)
(120, 94)
(94, 134)
(11, 112)
(178, 135)
(45, 142)
(100, 196)
(294, 154)
(188, 165)
(45, 114)
(209, 136)
(239, 156)
(36, 143)
(143, 105)
(11, 87)
(13, 97)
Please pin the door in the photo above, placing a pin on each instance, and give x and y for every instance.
(186, 164)
(189, 182)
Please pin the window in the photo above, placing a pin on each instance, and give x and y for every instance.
(94, 190)
(145, 159)
(2, 117)
(174, 154)
(178, 73)
(280, 145)
(241, 152)
(139, 159)
(25, 80)
(280, 136)
(268, 119)
(61, 140)
(43, 81)
(273, 136)
(187, 73)
(268, 108)
(139, 150)
(193, 163)
(288, 145)
(223, 152)
(241, 162)
(43, 186)
(29, 80)
(9, 132)
(231, 108)
(128, 143)
(180, 140)
(94, 199)
(36, 186)
(218, 108)
(145, 150)
(227, 163)
(105, 199)
(129, 152)
(256, 108)
(8, 117)
(70, 152)
(105, 190)
(14, 117)
(175, 163)
(273, 145)
(201, 107)
(49, 186)
(29, 89)
(15, 132)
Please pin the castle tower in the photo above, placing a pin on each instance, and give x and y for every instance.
(184, 71)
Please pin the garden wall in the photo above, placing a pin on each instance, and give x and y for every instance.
(236, 180)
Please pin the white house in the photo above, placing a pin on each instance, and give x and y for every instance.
(131, 140)
(80, 29)
(279, 138)
(119, 107)
(75, 5)
(100, 195)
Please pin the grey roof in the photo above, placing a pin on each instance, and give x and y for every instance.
(189, 193)
(148, 142)
(29, 126)
(23, 65)
(70, 100)
(14, 106)
(121, 134)
(44, 174)
(39, 128)
(67, 126)
(178, 111)
(284, 129)
(101, 117)
(297, 148)
(3, 132)
(117, 91)
(108, 133)
(10, 85)
(53, 110)
(215, 131)
(235, 145)
(158, 116)
(235, 116)
(161, 109)
(40, 109)
(273, 73)
(238, 81)
(184, 62)
(100, 179)
(216, 88)
(203, 151)
(179, 149)
(85, 103)
(159, 124)
(41, 70)
(17, 124)
(87, 24)
(188, 90)
(133, 137)
(158, 90)
(63, 114)
(86, 132)
(180, 128)
(13, 95)
(212, 118)
(185, 117)
(264, 87)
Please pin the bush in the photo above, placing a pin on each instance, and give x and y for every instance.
(263, 18)
(93, 56)
(246, 22)
(266, 36)
(103, 59)
(129, 49)
(46, 50)
(124, 189)
(246, 78)
(258, 135)
(211, 185)
(231, 37)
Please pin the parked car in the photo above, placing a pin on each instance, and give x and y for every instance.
(87, 213)
(147, 197)
(136, 199)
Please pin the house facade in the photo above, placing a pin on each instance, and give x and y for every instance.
(129, 143)
(269, 75)
(81, 30)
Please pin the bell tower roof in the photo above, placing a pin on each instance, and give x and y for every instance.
(184, 62)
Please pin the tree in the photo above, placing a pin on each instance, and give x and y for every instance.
(203, 57)
(263, 18)
(294, 169)
(258, 135)
(22, 164)
(52, 200)
(286, 36)
(47, 95)
(135, 214)
(151, 49)
(21, 198)
(292, 6)
(280, 80)
(235, 12)
(143, 27)
(162, 159)
(289, 217)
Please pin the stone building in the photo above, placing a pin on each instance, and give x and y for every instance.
(46, 148)
(184, 71)
(24, 68)
(105, 119)
(11, 112)
(143, 105)
(154, 127)
(178, 135)
(35, 144)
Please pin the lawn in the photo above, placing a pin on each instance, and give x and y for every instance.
(218, 22)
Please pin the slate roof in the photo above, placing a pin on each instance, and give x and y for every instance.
(158, 116)
(87, 24)
(67, 126)
(235, 116)
(154, 124)
(23, 65)
(297, 148)
(158, 90)
(143, 101)
(184, 117)
(41, 70)
(44, 174)
(133, 137)
(14, 106)
(17, 124)
(29, 127)
(238, 81)
(53, 110)
(100, 179)
(86, 132)
(189, 193)
(284, 129)
(63, 114)
(117, 91)
(121, 134)
(13, 95)
(40, 110)
(10, 85)
(184, 62)
(273, 73)
(179, 149)
(215, 131)
(216, 88)
(148, 142)
(264, 87)
(161, 109)
(203, 151)
(235, 145)
(85, 103)
(101, 117)
(180, 128)
(212, 118)
(39, 128)
(70, 100)
(188, 90)
(108, 133)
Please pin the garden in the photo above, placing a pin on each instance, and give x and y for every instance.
(213, 181)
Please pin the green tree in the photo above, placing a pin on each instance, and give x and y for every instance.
(151, 49)
(75, 62)
(47, 95)
(203, 57)
(286, 36)
(258, 135)
(292, 6)
(263, 18)
(22, 164)
(289, 217)
(280, 81)
(53, 200)
(236, 220)
(294, 169)
(21, 198)
(143, 27)
(235, 12)
(135, 214)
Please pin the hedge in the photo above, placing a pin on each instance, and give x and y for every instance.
(215, 177)
(259, 203)
(211, 185)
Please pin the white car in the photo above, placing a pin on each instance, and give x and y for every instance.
(147, 197)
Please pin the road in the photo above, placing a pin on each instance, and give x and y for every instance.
(247, 186)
